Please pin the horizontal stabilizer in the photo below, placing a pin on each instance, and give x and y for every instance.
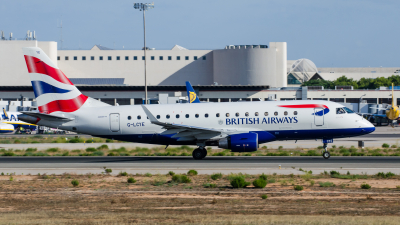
(45, 117)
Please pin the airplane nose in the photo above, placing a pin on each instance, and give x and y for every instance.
(367, 127)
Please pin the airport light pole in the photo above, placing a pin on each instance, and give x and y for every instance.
(144, 7)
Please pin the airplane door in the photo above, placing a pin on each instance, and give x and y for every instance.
(114, 122)
(319, 119)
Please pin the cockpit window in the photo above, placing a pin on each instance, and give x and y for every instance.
(348, 110)
(340, 111)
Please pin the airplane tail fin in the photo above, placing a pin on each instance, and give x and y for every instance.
(193, 98)
(5, 114)
(54, 92)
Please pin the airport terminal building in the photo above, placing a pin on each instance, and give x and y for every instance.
(232, 73)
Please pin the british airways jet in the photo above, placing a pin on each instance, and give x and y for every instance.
(238, 126)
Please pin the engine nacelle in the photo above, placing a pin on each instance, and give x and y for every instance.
(246, 142)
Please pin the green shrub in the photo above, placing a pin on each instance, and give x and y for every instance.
(365, 186)
(31, 150)
(11, 178)
(131, 180)
(239, 182)
(8, 154)
(109, 141)
(259, 183)
(108, 171)
(148, 174)
(76, 140)
(263, 176)
(123, 173)
(91, 150)
(333, 172)
(181, 178)
(103, 147)
(65, 153)
(40, 154)
(271, 181)
(219, 154)
(192, 172)
(393, 146)
(171, 173)
(385, 145)
(385, 175)
(98, 153)
(312, 182)
(75, 183)
(326, 184)
(209, 185)
(112, 154)
(298, 188)
(16, 141)
(216, 176)
(52, 150)
(264, 196)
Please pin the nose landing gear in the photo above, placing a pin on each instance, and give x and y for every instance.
(326, 154)
(199, 153)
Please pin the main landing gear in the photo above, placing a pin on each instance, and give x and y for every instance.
(326, 154)
(199, 153)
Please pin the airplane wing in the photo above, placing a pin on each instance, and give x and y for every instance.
(193, 98)
(189, 133)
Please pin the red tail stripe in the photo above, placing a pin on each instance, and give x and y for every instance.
(305, 106)
(69, 105)
(36, 65)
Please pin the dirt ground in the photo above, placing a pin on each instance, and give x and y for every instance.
(156, 199)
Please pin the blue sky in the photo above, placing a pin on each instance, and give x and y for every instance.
(340, 33)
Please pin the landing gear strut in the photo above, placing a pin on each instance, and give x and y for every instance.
(326, 154)
(199, 153)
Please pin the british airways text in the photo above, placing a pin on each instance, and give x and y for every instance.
(272, 120)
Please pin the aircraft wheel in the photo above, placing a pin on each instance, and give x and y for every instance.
(198, 154)
(326, 155)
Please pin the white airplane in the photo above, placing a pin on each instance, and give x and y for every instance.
(239, 126)
(11, 118)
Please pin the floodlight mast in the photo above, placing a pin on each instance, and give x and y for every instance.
(143, 7)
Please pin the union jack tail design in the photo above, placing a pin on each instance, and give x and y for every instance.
(54, 92)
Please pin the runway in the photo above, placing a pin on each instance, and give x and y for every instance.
(251, 165)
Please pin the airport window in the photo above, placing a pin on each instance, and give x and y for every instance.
(161, 58)
(186, 57)
(152, 57)
(58, 57)
(206, 115)
(167, 116)
(187, 115)
(126, 57)
(213, 99)
(142, 57)
(275, 113)
(266, 114)
(158, 116)
(195, 58)
(139, 117)
(256, 113)
(129, 117)
(101, 58)
(66, 57)
(285, 113)
(75, 57)
(246, 114)
(217, 115)
(177, 116)
(134, 57)
(237, 114)
(169, 57)
(197, 115)
(295, 113)
(178, 58)
(204, 58)
(109, 58)
(118, 58)
(224, 99)
(91, 57)
(83, 57)
(227, 115)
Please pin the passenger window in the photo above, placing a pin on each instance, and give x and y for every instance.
(187, 115)
(285, 113)
(197, 115)
(139, 117)
(206, 115)
(177, 116)
(275, 113)
(167, 116)
(129, 117)
(256, 113)
(217, 115)
(348, 110)
(236, 114)
(340, 111)
(266, 114)
(295, 113)
(227, 115)
(158, 116)
(246, 114)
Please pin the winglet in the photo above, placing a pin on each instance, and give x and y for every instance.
(191, 93)
(150, 115)
(5, 114)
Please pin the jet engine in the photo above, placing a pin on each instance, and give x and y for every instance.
(246, 142)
